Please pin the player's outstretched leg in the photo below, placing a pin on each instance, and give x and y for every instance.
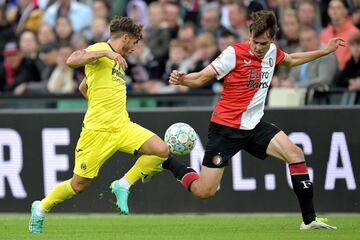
(182, 173)
(58, 194)
(121, 194)
(318, 223)
(303, 189)
(36, 219)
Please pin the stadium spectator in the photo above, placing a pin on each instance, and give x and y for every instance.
(289, 42)
(63, 29)
(177, 60)
(48, 55)
(28, 44)
(236, 122)
(79, 14)
(190, 10)
(290, 27)
(137, 10)
(210, 20)
(45, 34)
(62, 78)
(172, 18)
(78, 41)
(17, 71)
(226, 39)
(350, 76)
(319, 71)
(356, 17)
(29, 16)
(99, 31)
(206, 52)
(341, 25)
(157, 35)
(238, 21)
(307, 15)
(101, 9)
(143, 69)
(187, 36)
(6, 30)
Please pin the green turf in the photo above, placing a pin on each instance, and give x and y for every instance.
(209, 227)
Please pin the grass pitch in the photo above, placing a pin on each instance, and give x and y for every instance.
(197, 227)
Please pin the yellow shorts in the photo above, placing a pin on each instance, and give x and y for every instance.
(95, 147)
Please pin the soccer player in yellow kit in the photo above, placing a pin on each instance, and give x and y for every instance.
(107, 127)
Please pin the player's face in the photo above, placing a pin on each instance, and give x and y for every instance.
(260, 45)
(129, 46)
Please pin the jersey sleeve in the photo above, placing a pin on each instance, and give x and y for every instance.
(94, 47)
(224, 63)
(280, 55)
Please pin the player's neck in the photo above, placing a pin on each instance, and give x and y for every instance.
(115, 46)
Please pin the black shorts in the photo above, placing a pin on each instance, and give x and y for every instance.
(224, 142)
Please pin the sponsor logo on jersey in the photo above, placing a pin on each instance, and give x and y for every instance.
(252, 84)
(257, 79)
(247, 62)
(118, 76)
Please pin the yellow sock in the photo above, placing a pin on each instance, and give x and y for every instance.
(146, 164)
(58, 194)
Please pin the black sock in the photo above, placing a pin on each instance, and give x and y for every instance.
(303, 189)
(177, 168)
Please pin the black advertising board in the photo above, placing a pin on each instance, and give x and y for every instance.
(37, 150)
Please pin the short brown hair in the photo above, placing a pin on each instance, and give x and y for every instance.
(263, 21)
(175, 43)
(120, 25)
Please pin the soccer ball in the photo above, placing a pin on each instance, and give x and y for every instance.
(180, 137)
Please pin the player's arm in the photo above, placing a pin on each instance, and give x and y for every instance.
(83, 88)
(220, 67)
(298, 58)
(192, 80)
(80, 58)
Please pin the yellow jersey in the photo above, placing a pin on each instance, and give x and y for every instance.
(106, 93)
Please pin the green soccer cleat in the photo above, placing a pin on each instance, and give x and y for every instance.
(36, 222)
(318, 223)
(121, 197)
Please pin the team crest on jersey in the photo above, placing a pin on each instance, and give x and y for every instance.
(271, 62)
(217, 160)
(83, 166)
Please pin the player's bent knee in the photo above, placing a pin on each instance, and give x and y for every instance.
(163, 151)
(203, 193)
(297, 155)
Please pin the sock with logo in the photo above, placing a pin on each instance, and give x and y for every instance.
(58, 194)
(145, 165)
(185, 175)
(303, 189)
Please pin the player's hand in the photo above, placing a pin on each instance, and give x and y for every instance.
(118, 58)
(335, 43)
(176, 77)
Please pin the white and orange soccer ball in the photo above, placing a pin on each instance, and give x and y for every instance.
(181, 138)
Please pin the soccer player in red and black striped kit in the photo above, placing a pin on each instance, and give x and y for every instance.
(236, 122)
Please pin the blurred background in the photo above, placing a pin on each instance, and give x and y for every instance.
(36, 37)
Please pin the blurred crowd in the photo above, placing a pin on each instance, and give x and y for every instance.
(37, 36)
